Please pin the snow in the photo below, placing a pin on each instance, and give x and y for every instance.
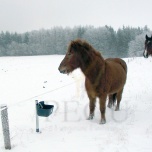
(26, 79)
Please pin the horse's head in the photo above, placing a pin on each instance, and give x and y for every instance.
(148, 47)
(80, 54)
(71, 60)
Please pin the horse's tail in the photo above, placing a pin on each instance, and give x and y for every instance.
(114, 98)
(124, 65)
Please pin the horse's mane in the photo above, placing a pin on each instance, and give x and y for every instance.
(83, 47)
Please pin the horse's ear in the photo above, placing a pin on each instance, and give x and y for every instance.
(73, 45)
(76, 45)
(146, 37)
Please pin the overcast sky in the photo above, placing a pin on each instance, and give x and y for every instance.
(28, 15)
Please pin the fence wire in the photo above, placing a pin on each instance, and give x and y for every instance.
(39, 95)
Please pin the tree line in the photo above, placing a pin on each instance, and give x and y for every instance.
(125, 42)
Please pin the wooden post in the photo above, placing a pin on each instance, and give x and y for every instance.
(37, 118)
(5, 126)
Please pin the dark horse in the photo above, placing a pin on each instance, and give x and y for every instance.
(102, 77)
(148, 47)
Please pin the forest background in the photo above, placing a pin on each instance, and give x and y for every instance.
(125, 42)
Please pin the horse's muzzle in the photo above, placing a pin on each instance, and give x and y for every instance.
(145, 55)
(62, 70)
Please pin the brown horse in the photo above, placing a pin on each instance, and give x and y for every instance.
(102, 77)
(148, 47)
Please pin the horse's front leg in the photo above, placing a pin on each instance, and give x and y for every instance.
(92, 105)
(102, 99)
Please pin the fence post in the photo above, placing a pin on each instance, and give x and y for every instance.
(37, 118)
(5, 126)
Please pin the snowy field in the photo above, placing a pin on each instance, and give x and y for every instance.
(25, 79)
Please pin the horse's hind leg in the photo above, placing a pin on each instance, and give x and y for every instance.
(112, 100)
(92, 105)
(119, 96)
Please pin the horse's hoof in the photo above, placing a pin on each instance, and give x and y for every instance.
(109, 106)
(102, 121)
(90, 117)
(117, 109)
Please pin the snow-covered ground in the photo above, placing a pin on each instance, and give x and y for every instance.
(25, 79)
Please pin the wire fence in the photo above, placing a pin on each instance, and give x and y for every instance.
(39, 95)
